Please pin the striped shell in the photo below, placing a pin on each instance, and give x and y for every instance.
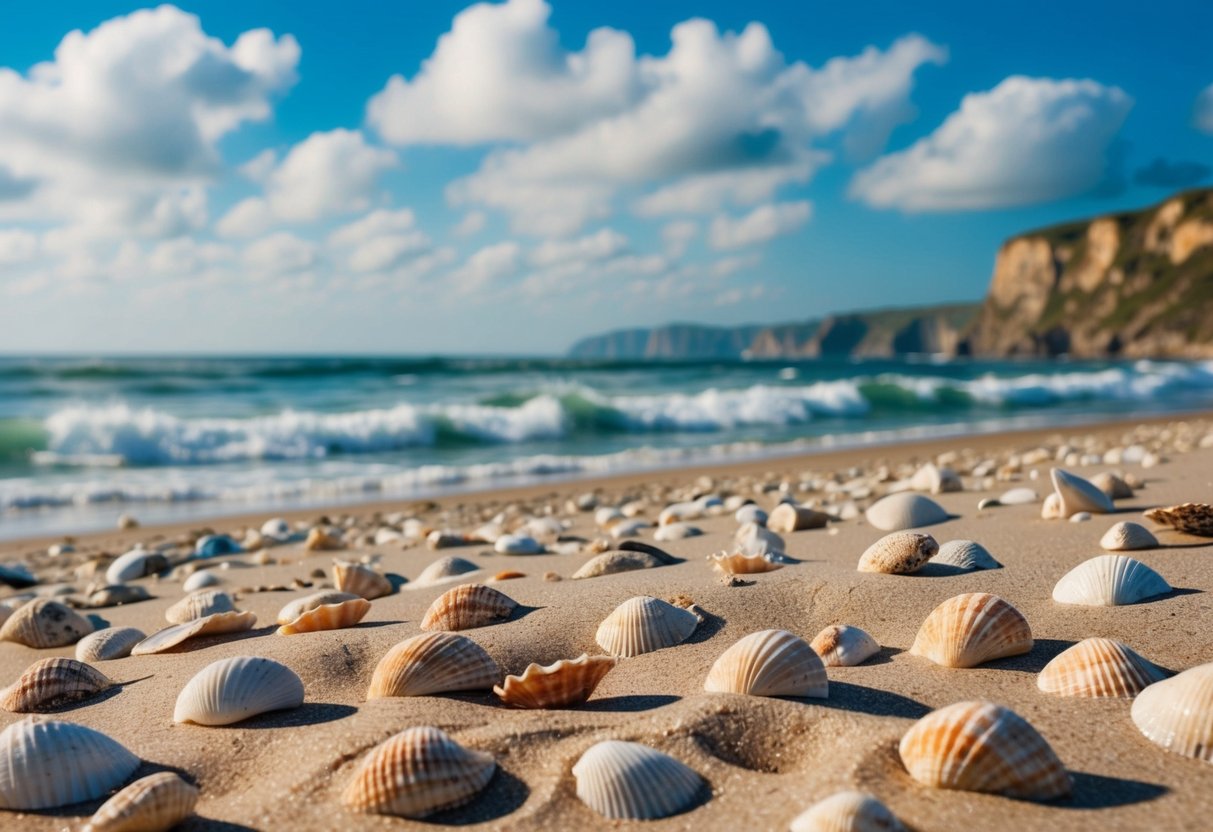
(108, 644)
(299, 606)
(466, 607)
(199, 605)
(1076, 495)
(642, 625)
(741, 563)
(905, 510)
(444, 571)
(416, 773)
(201, 579)
(433, 663)
(847, 812)
(47, 763)
(786, 517)
(1192, 518)
(170, 637)
(982, 747)
(1109, 581)
(1177, 713)
(45, 623)
(155, 803)
(842, 645)
(328, 617)
(611, 563)
(899, 553)
(629, 781)
(1126, 536)
(769, 663)
(965, 554)
(970, 629)
(231, 690)
(51, 683)
(360, 580)
(1098, 667)
(566, 682)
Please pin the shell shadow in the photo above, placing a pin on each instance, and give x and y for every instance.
(630, 704)
(195, 823)
(708, 627)
(309, 713)
(1043, 651)
(847, 697)
(396, 581)
(1176, 592)
(885, 656)
(1095, 791)
(943, 570)
(504, 795)
(519, 612)
(98, 622)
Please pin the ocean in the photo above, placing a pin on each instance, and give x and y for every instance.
(82, 440)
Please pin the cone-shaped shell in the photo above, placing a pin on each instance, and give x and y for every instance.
(1109, 581)
(899, 553)
(155, 803)
(965, 554)
(1112, 485)
(972, 628)
(611, 563)
(466, 607)
(1127, 537)
(629, 781)
(359, 580)
(566, 682)
(328, 617)
(108, 644)
(307, 603)
(1177, 713)
(1192, 518)
(742, 563)
(905, 510)
(847, 812)
(842, 645)
(231, 690)
(199, 605)
(642, 625)
(1077, 495)
(769, 663)
(786, 517)
(433, 663)
(45, 623)
(45, 764)
(51, 683)
(444, 570)
(170, 637)
(418, 772)
(1098, 667)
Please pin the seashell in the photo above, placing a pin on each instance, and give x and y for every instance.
(360, 580)
(680, 513)
(972, 628)
(170, 637)
(322, 540)
(126, 522)
(1109, 581)
(662, 556)
(443, 571)
(905, 510)
(965, 554)
(629, 781)
(899, 553)
(1192, 518)
(231, 690)
(468, 606)
(214, 545)
(787, 517)
(1098, 667)
(769, 663)
(1018, 497)
(328, 617)
(847, 812)
(755, 539)
(199, 605)
(439, 539)
(108, 644)
(50, 683)
(134, 564)
(155, 803)
(45, 764)
(610, 563)
(515, 544)
(1080, 517)
(117, 595)
(606, 516)
(982, 747)
(842, 645)
(628, 528)
(200, 580)
(17, 575)
(935, 480)
(676, 531)
(740, 563)
(1077, 494)
(642, 625)
(1050, 509)
(751, 513)
(45, 623)
(1177, 713)
(433, 663)
(307, 603)
(507, 575)
(1112, 485)
(566, 682)
(1126, 536)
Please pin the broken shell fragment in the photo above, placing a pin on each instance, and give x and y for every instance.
(642, 625)
(899, 553)
(566, 682)
(769, 663)
(1177, 713)
(847, 812)
(235, 689)
(328, 617)
(842, 645)
(629, 781)
(45, 764)
(51, 683)
(468, 606)
(1191, 518)
(905, 510)
(433, 663)
(1109, 581)
(155, 803)
(970, 629)
(1098, 667)
(44, 623)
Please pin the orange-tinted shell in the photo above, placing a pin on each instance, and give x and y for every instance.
(507, 575)
(433, 663)
(157, 802)
(468, 606)
(899, 553)
(1098, 667)
(972, 628)
(358, 579)
(741, 563)
(1193, 518)
(328, 617)
(49, 683)
(567, 682)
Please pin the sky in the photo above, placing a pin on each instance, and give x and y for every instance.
(274, 177)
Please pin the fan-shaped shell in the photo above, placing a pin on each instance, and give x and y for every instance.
(201, 579)
(642, 625)
(108, 644)
(629, 781)
(45, 623)
(1192, 518)
(433, 663)
(418, 772)
(842, 645)
(307, 603)
(360, 580)
(972, 628)
(199, 605)
(741, 563)
(899, 553)
(134, 564)
(444, 570)
(787, 517)
(847, 812)
(769, 663)
(170, 637)
(154, 803)
(1077, 495)
(50, 683)
(1109, 581)
(965, 554)
(905, 510)
(328, 617)
(1112, 485)
(1098, 667)
(566, 682)
(231, 690)
(466, 607)
(48, 763)
(1177, 713)
(1126, 536)
(610, 563)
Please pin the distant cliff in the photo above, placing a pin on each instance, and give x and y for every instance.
(672, 341)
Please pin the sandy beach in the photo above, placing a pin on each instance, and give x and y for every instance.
(765, 759)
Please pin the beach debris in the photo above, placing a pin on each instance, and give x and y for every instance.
(905, 510)
(899, 553)
(201, 579)
(235, 689)
(751, 513)
(676, 531)
(468, 606)
(1109, 581)
(134, 564)
(52, 682)
(437, 662)
(108, 644)
(359, 580)
(335, 616)
(170, 637)
(444, 570)
(1177, 713)
(741, 563)
(155, 803)
(841, 645)
(970, 629)
(611, 563)
(787, 517)
(214, 545)
(307, 603)
(1076, 494)
(965, 554)
(515, 544)
(1112, 485)
(199, 604)
(566, 682)
(769, 663)
(1128, 536)
(1191, 518)
(657, 552)
(1098, 667)
(44, 623)
(630, 781)
(507, 575)
(847, 811)
(644, 624)
(46, 763)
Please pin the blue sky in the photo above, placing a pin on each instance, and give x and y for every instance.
(421, 178)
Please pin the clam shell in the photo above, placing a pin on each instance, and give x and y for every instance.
(468, 606)
(676, 531)
(517, 544)
(972, 628)
(154, 803)
(965, 554)
(444, 571)
(170, 637)
(1050, 508)
(1109, 581)
(679, 513)
(1126, 536)
(1192, 518)
(628, 528)
(755, 539)
(629, 781)
(307, 603)
(1177, 713)
(117, 595)
(199, 605)
(642, 625)
(45, 623)
(1077, 494)
(48, 763)
(231, 690)
(134, 564)
(905, 510)
(108, 644)
(51, 683)
(982, 747)
(842, 645)
(328, 617)
(418, 772)
(200, 580)
(847, 812)
(769, 663)
(1112, 485)
(899, 553)
(433, 663)
(1018, 497)
(610, 563)
(277, 530)
(787, 517)
(359, 580)
(1098, 667)
(740, 563)
(566, 682)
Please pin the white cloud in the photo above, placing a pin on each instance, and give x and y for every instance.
(736, 295)
(764, 223)
(1028, 140)
(374, 224)
(601, 245)
(280, 253)
(473, 223)
(677, 236)
(487, 265)
(17, 245)
(1203, 111)
(381, 240)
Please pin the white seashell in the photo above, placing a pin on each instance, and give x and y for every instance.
(385, 536)
(1109, 581)
(231, 690)
(155, 803)
(170, 637)
(1098, 667)
(642, 625)
(108, 644)
(847, 812)
(45, 764)
(1126, 536)
(199, 605)
(1050, 509)
(307, 603)
(134, 564)
(201, 579)
(842, 645)
(935, 480)
(514, 544)
(1077, 494)
(445, 570)
(431, 663)
(277, 530)
(1080, 517)
(610, 563)
(629, 781)
(787, 517)
(1112, 485)
(965, 554)
(360, 580)
(899, 553)
(905, 510)
(607, 515)
(769, 663)
(628, 528)
(755, 539)
(1018, 497)
(750, 513)
(676, 531)
(680, 512)
(972, 628)
(1177, 713)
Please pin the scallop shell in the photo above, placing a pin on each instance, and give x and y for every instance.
(740, 563)
(517, 544)
(642, 625)
(847, 812)
(972, 628)
(1112, 485)
(1109, 581)
(154, 803)
(965, 554)
(787, 517)
(108, 644)
(328, 617)
(769, 663)
(170, 637)
(359, 580)
(443, 571)
(468, 606)
(566, 682)
(307, 603)
(47, 763)
(200, 580)
(1126, 536)
(899, 553)
(1077, 494)
(231, 690)
(1177, 713)
(418, 772)
(1192, 518)
(905, 510)
(629, 781)
(1098, 667)
(45, 623)
(134, 564)
(842, 645)
(433, 663)
(51, 683)
(199, 605)
(982, 747)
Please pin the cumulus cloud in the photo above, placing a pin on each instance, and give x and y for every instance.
(599, 246)
(280, 253)
(1028, 140)
(764, 223)
(473, 223)
(17, 245)
(381, 240)
(677, 236)
(487, 265)
(1203, 111)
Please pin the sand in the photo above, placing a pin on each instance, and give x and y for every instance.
(766, 760)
